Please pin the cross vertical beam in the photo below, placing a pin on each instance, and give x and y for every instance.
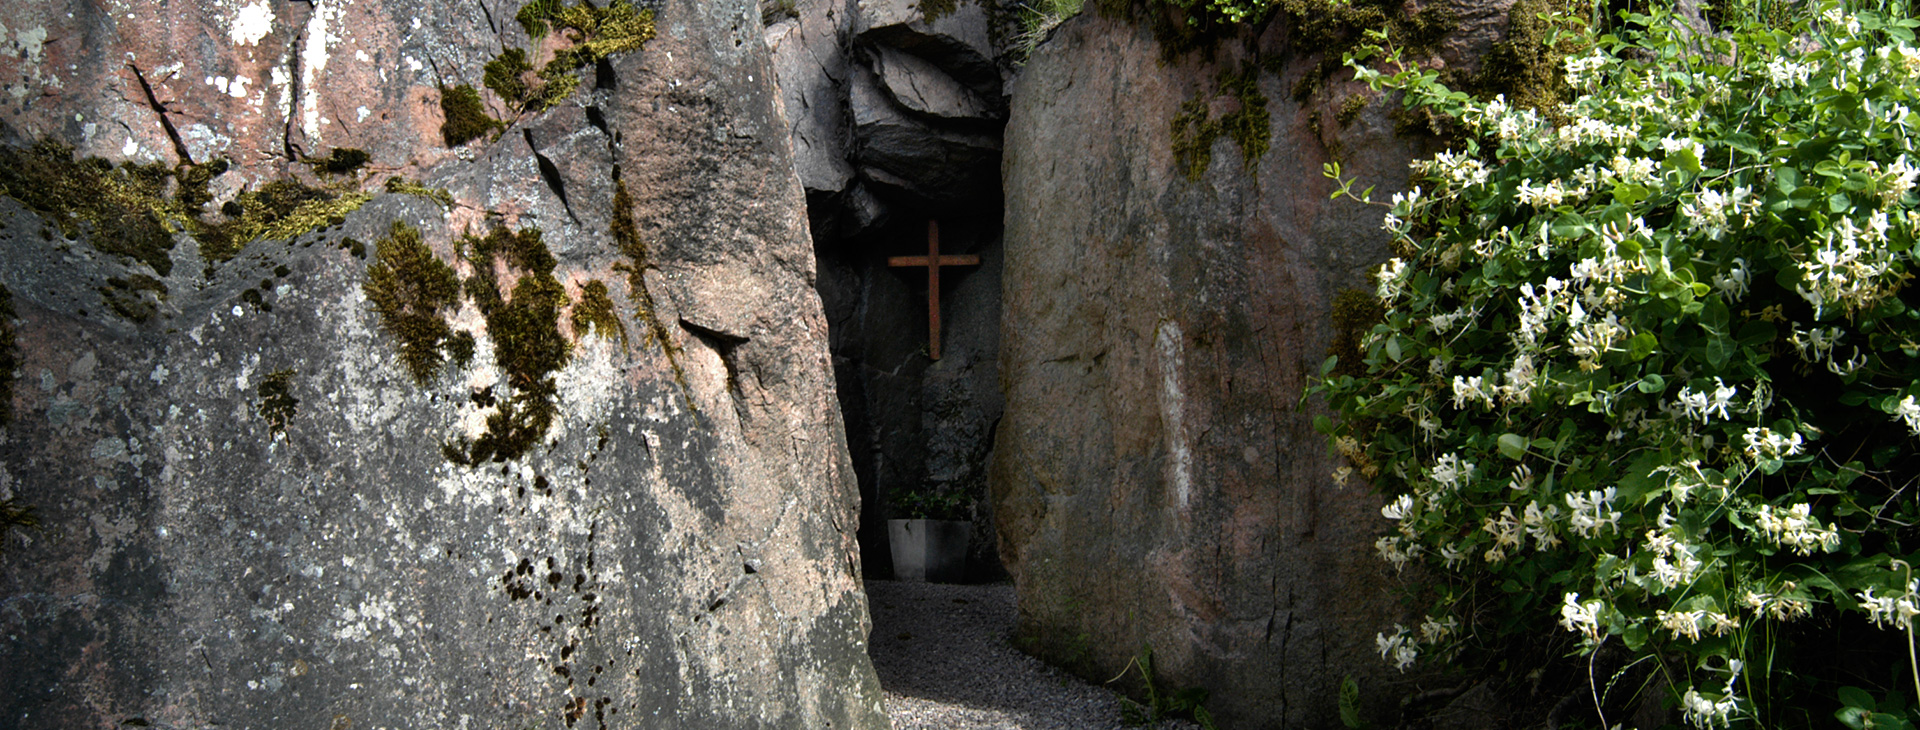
(933, 261)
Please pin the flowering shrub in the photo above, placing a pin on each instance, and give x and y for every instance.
(1649, 365)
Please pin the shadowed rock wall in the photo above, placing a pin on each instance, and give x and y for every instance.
(249, 513)
(1156, 481)
(895, 116)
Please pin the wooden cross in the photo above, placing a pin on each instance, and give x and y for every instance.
(933, 261)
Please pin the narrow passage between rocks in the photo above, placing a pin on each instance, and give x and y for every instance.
(945, 660)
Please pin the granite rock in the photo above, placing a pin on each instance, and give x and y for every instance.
(1156, 479)
(249, 514)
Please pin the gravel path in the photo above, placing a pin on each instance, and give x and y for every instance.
(945, 663)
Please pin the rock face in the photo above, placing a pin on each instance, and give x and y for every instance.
(254, 514)
(1156, 480)
(896, 119)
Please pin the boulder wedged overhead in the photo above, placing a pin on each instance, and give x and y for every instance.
(415, 464)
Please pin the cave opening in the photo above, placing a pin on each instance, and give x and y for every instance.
(896, 122)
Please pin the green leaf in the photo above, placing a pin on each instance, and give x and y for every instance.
(1839, 203)
(1393, 348)
(1719, 351)
(1651, 383)
(1642, 345)
(1513, 446)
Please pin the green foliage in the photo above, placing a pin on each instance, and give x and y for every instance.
(1161, 705)
(465, 119)
(533, 16)
(1350, 704)
(931, 503)
(1250, 125)
(1647, 363)
(411, 288)
(277, 403)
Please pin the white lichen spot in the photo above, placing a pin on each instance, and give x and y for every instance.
(360, 114)
(238, 88)
(413, 64)
(252, 23)
(313, 62)
(130, 149)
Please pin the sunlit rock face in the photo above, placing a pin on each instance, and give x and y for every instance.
(593, 477)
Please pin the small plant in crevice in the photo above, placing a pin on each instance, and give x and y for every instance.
(277, 403)
(1159, 703)
(1040, 17)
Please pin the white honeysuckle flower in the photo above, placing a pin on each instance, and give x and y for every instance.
(1909, 413)
(1683, 624)
(1734, 281)
(1763, 443)
(1582, 618)
(1398, 509)
(1796, 527)
(1782, 72)
(1453, 557)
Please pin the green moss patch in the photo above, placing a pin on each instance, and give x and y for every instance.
(527, 343)
(594, 312)
(465, 119)
(626, 237)
(593, 33)
(410, 288)
(136, 297)
(403, 186)
(277, 210)
(340, 161)
(1526, 69)
(1249, 126)
(123, 210)
(135, 211)
(277, 403)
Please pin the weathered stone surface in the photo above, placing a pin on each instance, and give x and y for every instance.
(676, 550)
(810, 69)
(1156, 481)
(922, 87)
(960, 40)
(941, 166)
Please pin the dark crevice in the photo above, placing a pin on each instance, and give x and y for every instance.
(179, 146)
(722, 344)
(550, 173)
(598, 120)
(489, 13)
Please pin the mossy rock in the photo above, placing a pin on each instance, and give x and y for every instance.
(410, 288)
